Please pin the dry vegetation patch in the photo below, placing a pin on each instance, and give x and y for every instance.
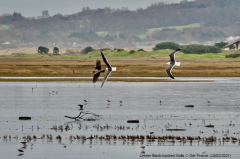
(125, 67)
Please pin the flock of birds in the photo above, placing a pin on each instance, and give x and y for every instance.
(109, 68)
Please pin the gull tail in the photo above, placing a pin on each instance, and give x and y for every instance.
(114, 68)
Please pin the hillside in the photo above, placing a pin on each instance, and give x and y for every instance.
(216, 20)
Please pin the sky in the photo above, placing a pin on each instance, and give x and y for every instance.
(29, 8)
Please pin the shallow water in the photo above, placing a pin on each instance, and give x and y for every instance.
(140, 102)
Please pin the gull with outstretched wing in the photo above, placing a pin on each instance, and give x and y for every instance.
(109, 68)
(172, 63)
(97, 71)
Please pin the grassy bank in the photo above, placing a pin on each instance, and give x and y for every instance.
(4, 27)
(111, 54)
(151, 30)
(29, 67)
(138, 64)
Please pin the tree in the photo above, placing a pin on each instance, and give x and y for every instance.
(122, 36)
(87, 49)
(42, 50)
(214, 49)
(166, 45)
(199, 49)
(108, 38)
(88, 36)
(45, 14)
(55, 51)
(222, 44)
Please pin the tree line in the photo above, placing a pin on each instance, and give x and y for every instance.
(218, 19)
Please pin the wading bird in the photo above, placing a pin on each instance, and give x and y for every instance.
(208, 102)
(20, 151)
(80, 106)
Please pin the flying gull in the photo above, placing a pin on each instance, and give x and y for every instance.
(172, 63)
(97, 71)
(109, 68)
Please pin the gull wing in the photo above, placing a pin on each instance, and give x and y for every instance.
(105, 60)
(168, 70)
(95, 77)
(172, 55)
(106, 76)
(98, 65)
(232, 43)
(97, 69)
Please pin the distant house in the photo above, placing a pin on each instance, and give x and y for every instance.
(6, 43)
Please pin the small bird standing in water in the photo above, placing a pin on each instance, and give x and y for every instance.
(21, 151)
(80, 106)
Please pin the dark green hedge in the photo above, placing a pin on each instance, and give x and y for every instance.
(166, 45)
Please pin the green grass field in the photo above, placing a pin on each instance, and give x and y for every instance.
(4, 27)
(153, 55)
(114, 54)
(103, 34)
(151, 30)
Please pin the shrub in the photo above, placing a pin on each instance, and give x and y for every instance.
(87, 49)
(199, 49)
(214, 49)
(55, 51)
(141, 50)
(119, 50)
(232, 56)
(132, 51)
(42, 49)
(166, 45)
(221, 44)
(104, 49)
